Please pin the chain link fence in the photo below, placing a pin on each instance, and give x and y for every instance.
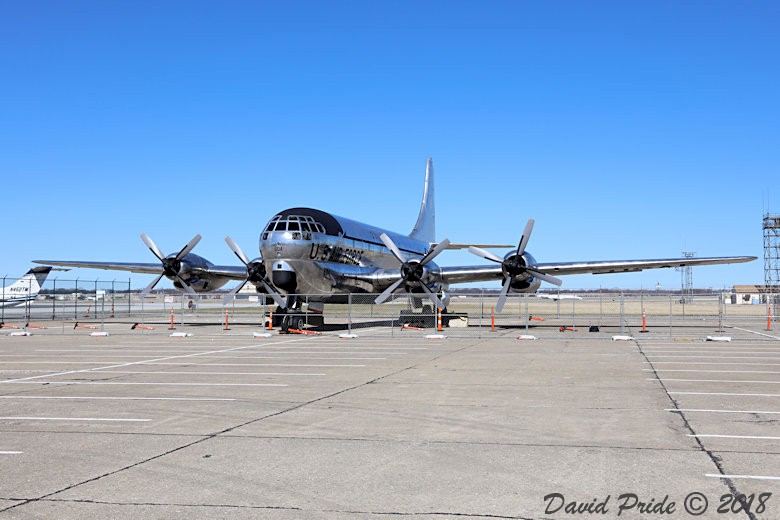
(71, 306)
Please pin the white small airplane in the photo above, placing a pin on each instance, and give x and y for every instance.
(557, 297)
(26, 288)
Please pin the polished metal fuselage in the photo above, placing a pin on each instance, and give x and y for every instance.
(328, 265)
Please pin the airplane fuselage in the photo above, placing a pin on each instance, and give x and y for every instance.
(310, 252)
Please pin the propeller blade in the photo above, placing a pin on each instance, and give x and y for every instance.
(502, 295)
(526, 236)
(186, 286)
(149, 287)
(232, 294)
(544, 276)
(392, 247)
(441, 246)
(487, 255)
(388, 292)
(152, 246)
(275, 295)
(435, 299)
(237, 250)
(186, 249)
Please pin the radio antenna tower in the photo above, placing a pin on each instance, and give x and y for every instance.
(772, 257)
(687, 278)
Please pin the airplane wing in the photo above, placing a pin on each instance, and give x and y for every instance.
(225, 271)
(483, 273)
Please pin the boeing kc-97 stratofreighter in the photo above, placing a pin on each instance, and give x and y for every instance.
(306, 251)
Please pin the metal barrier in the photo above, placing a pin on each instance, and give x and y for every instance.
(66, 306)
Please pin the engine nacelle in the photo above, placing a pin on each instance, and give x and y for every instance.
(194, 270)
(514, 268)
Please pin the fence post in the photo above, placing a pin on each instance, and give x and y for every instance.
(349, 313)
(2, 309)
(621, 313)
(670, 315)
(601, 308)
(76, 303)
(527, 316)
(54, 299)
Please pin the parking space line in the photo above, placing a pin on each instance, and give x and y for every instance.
(757, 437)
(717, 381)
(710, 371)
(81, 419)
(755, 332)
(134, 383)
(730, 352)
(725, 394)
(273, 365)
(297, 374)
(120, 365)
(753, 477)
(679, 410)
(729, 363)
(117, 398)
(11, 452)
(715, 357)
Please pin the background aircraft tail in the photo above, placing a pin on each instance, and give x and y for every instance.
(28, 285)
(425, 229)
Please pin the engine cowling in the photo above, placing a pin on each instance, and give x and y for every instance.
(514, 267)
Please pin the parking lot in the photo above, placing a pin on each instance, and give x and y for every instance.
(287, 426)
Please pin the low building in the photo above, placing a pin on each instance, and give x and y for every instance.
(750, 294)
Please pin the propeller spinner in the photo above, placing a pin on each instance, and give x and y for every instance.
(412, 270)
(514, 265)
(255, 273)
(171, 265)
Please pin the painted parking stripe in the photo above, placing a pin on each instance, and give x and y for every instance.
(710, 371)
(727, 363)
(753, 477)
(131, 363)
(715, 357)
(708, 352)
(679, 410)
(131, 383)
(11, 452)
(274, 365)
(757, 437)
(717, 381)
(211, 373)
(724, 394)
(116, 398)
(79, 419)
(755, 332)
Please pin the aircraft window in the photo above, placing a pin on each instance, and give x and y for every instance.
(281, 226)
(293, 226)
(292, 218)
(305, 226)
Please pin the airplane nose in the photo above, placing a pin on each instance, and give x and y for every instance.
(283, 276)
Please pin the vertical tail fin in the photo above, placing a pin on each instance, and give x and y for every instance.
(28, 285)
(425, 229)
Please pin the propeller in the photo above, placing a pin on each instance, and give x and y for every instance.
(170, 264)
(514, 265)
(255, 273)
(412, 270)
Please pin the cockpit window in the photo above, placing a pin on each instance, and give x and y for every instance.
(301, 226)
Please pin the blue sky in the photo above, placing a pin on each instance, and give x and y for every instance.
(626, 129)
